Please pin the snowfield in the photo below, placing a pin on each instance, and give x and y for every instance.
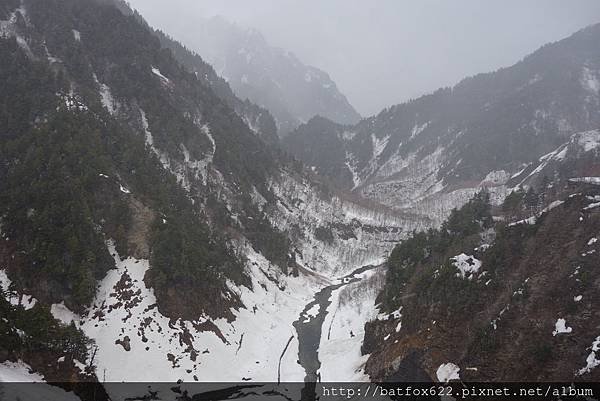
(343, 330)
(126, 326)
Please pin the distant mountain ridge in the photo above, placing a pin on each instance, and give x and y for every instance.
(483, 130)
(268, 76)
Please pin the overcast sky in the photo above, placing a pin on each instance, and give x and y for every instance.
(383, 52)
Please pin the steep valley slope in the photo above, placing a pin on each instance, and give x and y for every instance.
(143, 219)
(434, 153)
(148, 214)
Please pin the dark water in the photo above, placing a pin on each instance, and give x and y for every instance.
(309, 329)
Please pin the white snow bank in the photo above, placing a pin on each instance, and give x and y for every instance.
(447, 371)
(18, 372)
(343, 329)
(37, 390)
(561, 327)
(467, 265)
(63, 314)
(592, 360)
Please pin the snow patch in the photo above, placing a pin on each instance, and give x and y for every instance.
(124, 190)
(499, 177)
(18, 372)
(343, 329)
(467, 265)
(587, 180)
(447, 371)
(561, 327)
(157, 72)
(378, 145)
(589, 140)
(26, 301)
(107, 99)
(417, 129)
(592, 360)
(63, 314)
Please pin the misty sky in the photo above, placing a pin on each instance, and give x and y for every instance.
(382, 52)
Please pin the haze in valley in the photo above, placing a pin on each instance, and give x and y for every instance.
(387, 51)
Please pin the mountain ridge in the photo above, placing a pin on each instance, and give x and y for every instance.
(271, 77)
(454, 137)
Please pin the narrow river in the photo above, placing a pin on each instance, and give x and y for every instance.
(309, 327)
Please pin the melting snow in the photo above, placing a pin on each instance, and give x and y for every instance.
(63, 314)
(591, 360)
(499, 177)
(417, 129)
(447, 371)
(561, 327)
(592, 241)
(107, 99)
(578, 298)
(157, 72)
(344, 328)
(466, 265)
(378, 145)
(312, 312)
(26, 301)
(125, 311)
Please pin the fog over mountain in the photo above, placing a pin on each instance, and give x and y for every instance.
(162, 237)
(389, 51)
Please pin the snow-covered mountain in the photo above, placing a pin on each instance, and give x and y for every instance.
(144, 218)
(149, 218)
(268, 76)
(431, 154)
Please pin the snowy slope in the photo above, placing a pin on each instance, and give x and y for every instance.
(127, 327)
(343, 330)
